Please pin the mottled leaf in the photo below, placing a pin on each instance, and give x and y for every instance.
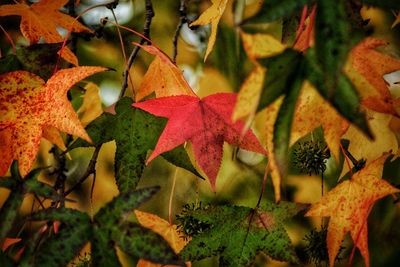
(140, 242)
(28, 105)
(348, 206)
(237, 234)
(135, 132)
(206, 123)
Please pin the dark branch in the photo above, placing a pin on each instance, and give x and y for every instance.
(182, 20)
(91, 169)
(132, 57)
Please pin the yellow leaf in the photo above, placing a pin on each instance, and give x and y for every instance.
(91, 106)
(256, 46)
(168, 231)
(163, 77)
(348, 206)
(261, 45)
(362, 147)
(311, 112)
(54, 136)
(249, 94)
(211, 15)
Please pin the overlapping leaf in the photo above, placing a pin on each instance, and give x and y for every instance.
(107, 230)
(168, 231)
(163, 77)
(349, 204)
(135, 132)
(206, 123)
(212, 15)
(19, 188)
(236, 234)
(366, 67)
(28, 106)
(40, 20)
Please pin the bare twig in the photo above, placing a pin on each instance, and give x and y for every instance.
(182, 20)
(91, 169)
(146, 32)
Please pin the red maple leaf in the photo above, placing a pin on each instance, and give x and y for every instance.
(206, 123)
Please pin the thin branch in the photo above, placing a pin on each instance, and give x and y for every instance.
(182, 20)
(119, 36)
(91, 169)
(263, 184)
(146, 32)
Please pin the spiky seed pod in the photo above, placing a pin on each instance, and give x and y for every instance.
(189, 226)
(311, 157)
(316, 248)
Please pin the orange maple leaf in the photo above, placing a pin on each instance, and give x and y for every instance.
(348, 206)
(41, 20)
(28, 105)
(168, 231)
(163, 77)
(372, 65)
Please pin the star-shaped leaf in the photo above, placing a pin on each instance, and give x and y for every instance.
(41, 19)
(163, 77)
(212, 15)
(19, 187)
(28, 105)
(108, 229)
(236, 234)
(206, 123)
(366, 67)
(349, 204)
(135, 132)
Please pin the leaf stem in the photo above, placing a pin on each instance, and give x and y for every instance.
(10, 40)
(171, 196)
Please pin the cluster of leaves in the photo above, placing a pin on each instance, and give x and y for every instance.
(324, 73)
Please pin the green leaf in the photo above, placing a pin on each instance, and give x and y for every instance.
(392, 4)
(238, 233)
(275, 9)
(103, 249)
(110, 229)
(281, 70)
(229, 59)
(5, 260)
(111, 214)
(9, 210)
(334, 38)
(8, 182)
(283, 126)
(66, 215)
(135, 132)
(140, 242)
(60, 249)
(9, 63)
(345, 98)
(39, 58)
